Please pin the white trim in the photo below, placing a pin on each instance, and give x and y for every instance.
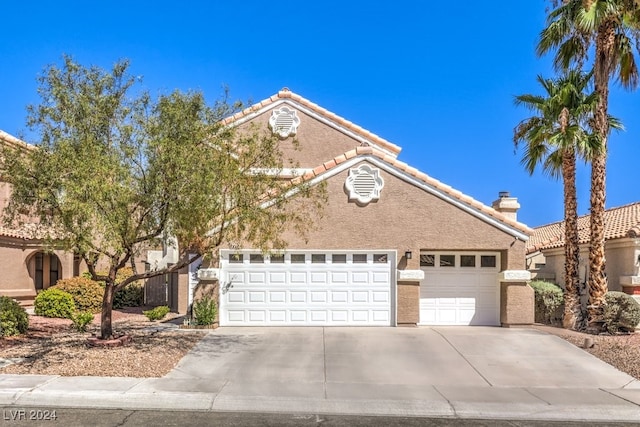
(410, 275)
(514, 276)
(281, 172)
(316, 116)
(209, 274)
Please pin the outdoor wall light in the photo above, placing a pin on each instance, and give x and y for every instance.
(407, 255)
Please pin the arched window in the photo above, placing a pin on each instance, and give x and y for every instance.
(47, 270)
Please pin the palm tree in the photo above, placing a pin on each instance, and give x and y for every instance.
(554, 137)
(611, 30)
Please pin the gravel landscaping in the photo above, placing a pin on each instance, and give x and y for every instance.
(51, 347)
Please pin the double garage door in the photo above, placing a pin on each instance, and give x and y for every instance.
(350, 288)
(314, 288)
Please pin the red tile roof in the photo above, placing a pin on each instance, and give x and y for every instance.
(620, 222)
(26, 231)
(285, 94)
(434, 183)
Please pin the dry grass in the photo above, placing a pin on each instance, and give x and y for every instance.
(52, 347)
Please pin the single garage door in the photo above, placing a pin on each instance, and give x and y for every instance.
(460, 288)
(316, 288)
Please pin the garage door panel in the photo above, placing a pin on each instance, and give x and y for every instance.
(298, 316)
(340, 316)
(381, 296)
(318, 297)
(277, 277)
(380, 315)
(319, 277)
(288, 293)
(257, 278)
(235, 315)
(277, 296)
(339, 296)
(339, 277)
(380, 277)
(318, 316)
(360, 296)
(361, 278)
(298, 277)
(235, 296)
(298, 296)
(257, 296)
(257, 315)
(278, 316)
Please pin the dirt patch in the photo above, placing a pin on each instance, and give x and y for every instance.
(52, 347)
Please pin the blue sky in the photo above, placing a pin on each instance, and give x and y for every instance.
(436, 78)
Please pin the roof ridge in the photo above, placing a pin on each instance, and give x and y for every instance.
(427, 179)
(285, 93)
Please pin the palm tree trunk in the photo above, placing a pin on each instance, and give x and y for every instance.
(598, 288)
(597, 279)
(573, 317)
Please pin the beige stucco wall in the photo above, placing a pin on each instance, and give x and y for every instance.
(516, 304)
(408, 301)
(318, 142)
(405, 218)
(17, 278)
(621, 260)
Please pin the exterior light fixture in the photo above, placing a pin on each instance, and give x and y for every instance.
(407, 255)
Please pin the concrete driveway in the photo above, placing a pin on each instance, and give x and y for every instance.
(394, 369)
(451, 372)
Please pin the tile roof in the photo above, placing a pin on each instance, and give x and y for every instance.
(26, 231)
(286, 94)
(620, 222)
(415, 173)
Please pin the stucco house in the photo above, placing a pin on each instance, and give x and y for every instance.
(394, 246)
(26, 266)
(545, 249)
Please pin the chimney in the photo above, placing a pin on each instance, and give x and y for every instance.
(507, 205)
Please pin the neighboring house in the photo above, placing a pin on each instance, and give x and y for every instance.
(393, 247)
(545, 249)
(26, 267)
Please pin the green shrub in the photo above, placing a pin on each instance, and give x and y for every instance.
(622, 312)
(204, 311)
(156, 313)
(87, 294)
(81, 320)
(13, 318)
(131, 295)
(548, 302)
(54, 302)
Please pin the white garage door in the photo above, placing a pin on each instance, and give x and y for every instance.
(460, 288)
(307, 288)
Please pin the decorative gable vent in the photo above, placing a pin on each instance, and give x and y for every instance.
(364, 184)
(284, 122)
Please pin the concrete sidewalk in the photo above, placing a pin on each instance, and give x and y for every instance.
(430, 372)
